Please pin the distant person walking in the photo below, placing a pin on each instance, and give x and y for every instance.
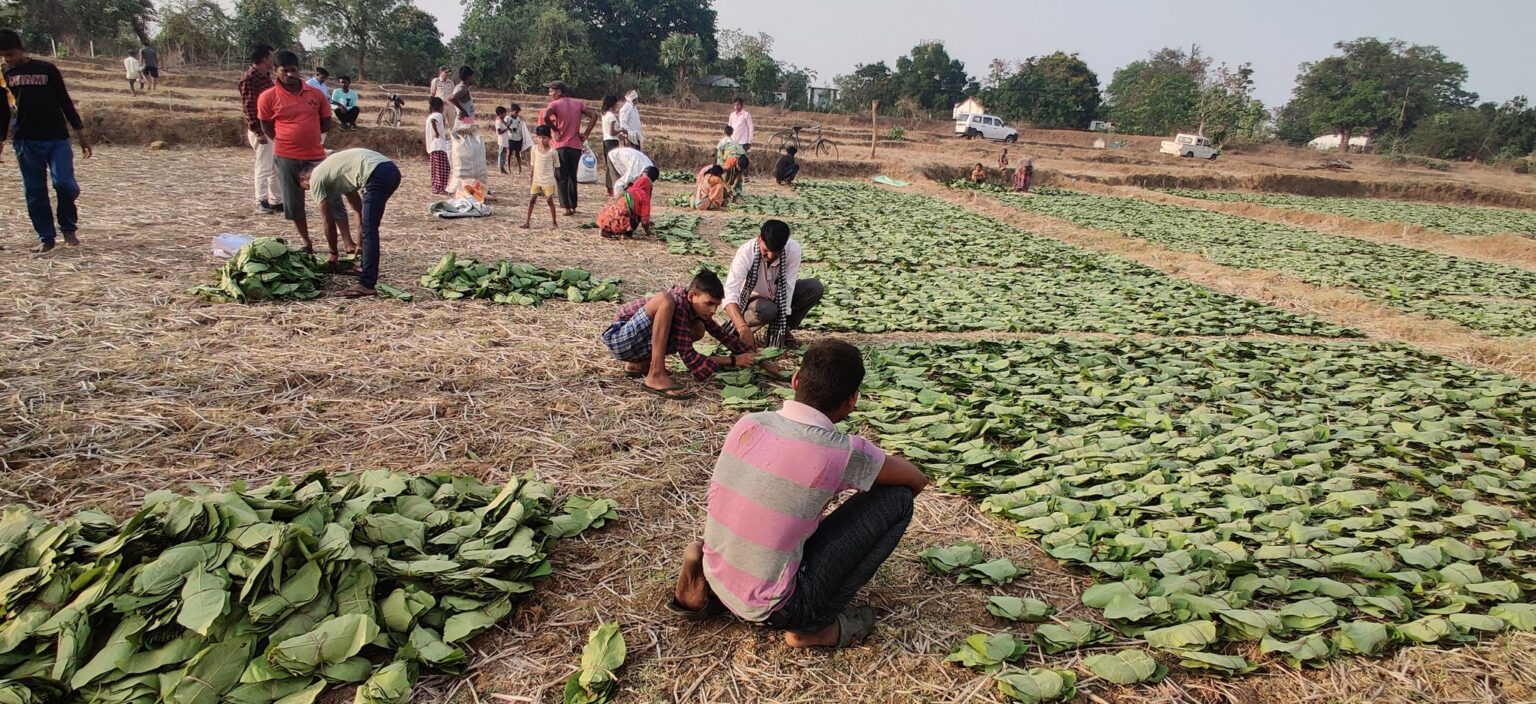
(255, 81)
(442, 87)
(629, 120)
(610, 130)
(741, 130)
(39, 130)
(563, 115)
(149, 66)
(461, 99)
(293, 117)
(1002, 160)
(134, 72)
(436, 141)
(344, 104)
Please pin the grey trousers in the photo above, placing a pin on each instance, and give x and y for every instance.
(762, 311)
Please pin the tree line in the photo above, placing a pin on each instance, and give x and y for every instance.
(1409, 98)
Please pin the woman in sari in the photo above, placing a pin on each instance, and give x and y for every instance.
(710, 191)
(630, 209)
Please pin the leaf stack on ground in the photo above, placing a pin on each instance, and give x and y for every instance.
(266, 269)
(271, 594)
(523, 284)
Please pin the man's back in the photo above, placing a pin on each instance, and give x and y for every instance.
(43, 109)
(148, 57)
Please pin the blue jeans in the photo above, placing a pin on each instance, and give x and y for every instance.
(38, 159)
(376, 192)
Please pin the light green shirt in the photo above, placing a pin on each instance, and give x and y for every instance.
(343, 172)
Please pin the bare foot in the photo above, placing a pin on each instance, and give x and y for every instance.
(692, 590)
(523, 226)
(824, 638)
(634, 369)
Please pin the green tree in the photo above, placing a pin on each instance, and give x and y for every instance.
(1157, 95)
(1379, 86)
(557, 48)
(629, 33)
(1227, 109)
(491, 35)
(1058, 91)
(761, 76)
(684, 54)
(415, 46)
(357, 24)
(114, 26)
(198, 29)
(262, 22)
(867, 83)
(930, 77)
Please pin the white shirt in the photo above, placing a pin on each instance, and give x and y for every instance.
(766, 277)
(503, 135)
(438, 142)
(629, 121)
(131, 68)
(741, 126)
(610, 126)
(630, 163)
(442, 88)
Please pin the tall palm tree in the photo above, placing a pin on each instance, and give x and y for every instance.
(684, 54)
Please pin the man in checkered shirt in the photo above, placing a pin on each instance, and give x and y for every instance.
(646, 330)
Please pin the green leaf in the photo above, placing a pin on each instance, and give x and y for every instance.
(1126, 667)
(1036, 685)
(1309, 614)
(390, 684)
(1056, 638)
(1014, 608)
(989, 651)
(331, 642)
(1224, 664)
(1194, 635)
(1364, 637)
(994, 572)
(604, 653)
(1521, 617)
(944, 560)
(1312, 651)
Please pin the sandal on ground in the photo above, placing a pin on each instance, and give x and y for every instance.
(667, 393)
(712, 608)
(71, 240)
(357, 291)
(854, 625)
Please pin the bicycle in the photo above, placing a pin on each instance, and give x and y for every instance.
(820, 146)
(393, 110)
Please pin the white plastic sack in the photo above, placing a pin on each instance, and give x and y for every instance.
(587, 171)
(466, 157)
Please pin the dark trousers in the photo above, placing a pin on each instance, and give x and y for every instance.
(347, 116)
(608, 173)
(376, 192)
(568, 160)
(787, 173)
(762, 311)
(841, 557)
(746, 161)
(39, 159)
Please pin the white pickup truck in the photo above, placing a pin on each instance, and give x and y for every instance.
(1190, 145)
(985, 126)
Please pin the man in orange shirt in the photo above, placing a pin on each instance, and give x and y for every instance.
(293, 116)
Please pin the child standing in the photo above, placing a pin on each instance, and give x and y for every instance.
(134, 73)
(517, 132)
(437, 146)
(40, 136)
(542, 166)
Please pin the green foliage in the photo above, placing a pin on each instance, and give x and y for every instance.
(685, 55)
(1400, 159)
(115, 26)
(1014, 608)
(931, 78)
(629, 33)
(1454, 219)
(198, 29)
(1157, 96)
(1494, 298)
(681, 233)
(604, 653)
(413, 47)
(1125, 667)
(1377, 85)
(1036, 685)
(352, 23)
(1058, 91)
(262, 22)
(867, 83)
(556, 46)
(266, 270)
(266, 594)
(502, 281)
(989, 652)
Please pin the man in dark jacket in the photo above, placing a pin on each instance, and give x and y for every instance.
(41, 119)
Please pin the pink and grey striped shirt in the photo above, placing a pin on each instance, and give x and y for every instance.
(772, 483)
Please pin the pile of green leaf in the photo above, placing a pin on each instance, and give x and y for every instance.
(1312, 499)
(681, 233)
(253, 596)
(743, 389)
(1454, 219)
(678, 177)
(266, 269)
(1481, 295)
(604, 653)
(966, 184)
(523, 284)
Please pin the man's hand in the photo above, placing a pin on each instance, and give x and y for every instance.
(85, 145)
(771, 367)
(745, 359)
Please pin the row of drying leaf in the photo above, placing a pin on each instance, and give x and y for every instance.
(1454, 219)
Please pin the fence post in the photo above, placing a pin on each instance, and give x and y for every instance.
(874, 126)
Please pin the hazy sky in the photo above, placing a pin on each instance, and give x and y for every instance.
(1491, 37)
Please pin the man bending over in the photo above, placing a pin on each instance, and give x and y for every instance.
(768, 556)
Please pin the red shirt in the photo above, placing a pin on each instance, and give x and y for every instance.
(296, 121)
(565, 114)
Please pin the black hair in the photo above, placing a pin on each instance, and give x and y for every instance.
(542, 131)
(345, 79)
(9, 40)
(792, 150)
(775, 234)
(500, 110)
(653, 172)
(729, 130)
(259, 53)
(715, 170)
(465, 72)
(286, 58)
(515, 107)
(609, 101)
(708, 282)
(434, 104)
(320, 71)
(738, 99)
(830, 374)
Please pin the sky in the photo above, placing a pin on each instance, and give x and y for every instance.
(1490, 37)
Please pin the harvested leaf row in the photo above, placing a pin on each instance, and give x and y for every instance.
(1314, 499)
(266, 269)
(681, 233)
(1454, 219)
(251, 596)
(1484, 296)
(523, 284)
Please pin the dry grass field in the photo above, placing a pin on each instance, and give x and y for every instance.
(116, 382)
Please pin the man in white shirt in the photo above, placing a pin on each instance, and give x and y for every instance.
(628, 163)
(443, 87)
(741, 130)
(629, 120)
(761, 289)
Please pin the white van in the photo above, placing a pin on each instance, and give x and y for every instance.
(986, 126)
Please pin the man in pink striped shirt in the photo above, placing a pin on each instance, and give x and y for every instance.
(768, 554)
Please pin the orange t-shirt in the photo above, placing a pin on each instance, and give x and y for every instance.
(296, 120)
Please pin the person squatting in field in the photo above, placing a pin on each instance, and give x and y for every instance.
(730, 155)
(39, 126)
(769, 556)
(646, 330)
(367, 180)
(762, 289)
(293, 117)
